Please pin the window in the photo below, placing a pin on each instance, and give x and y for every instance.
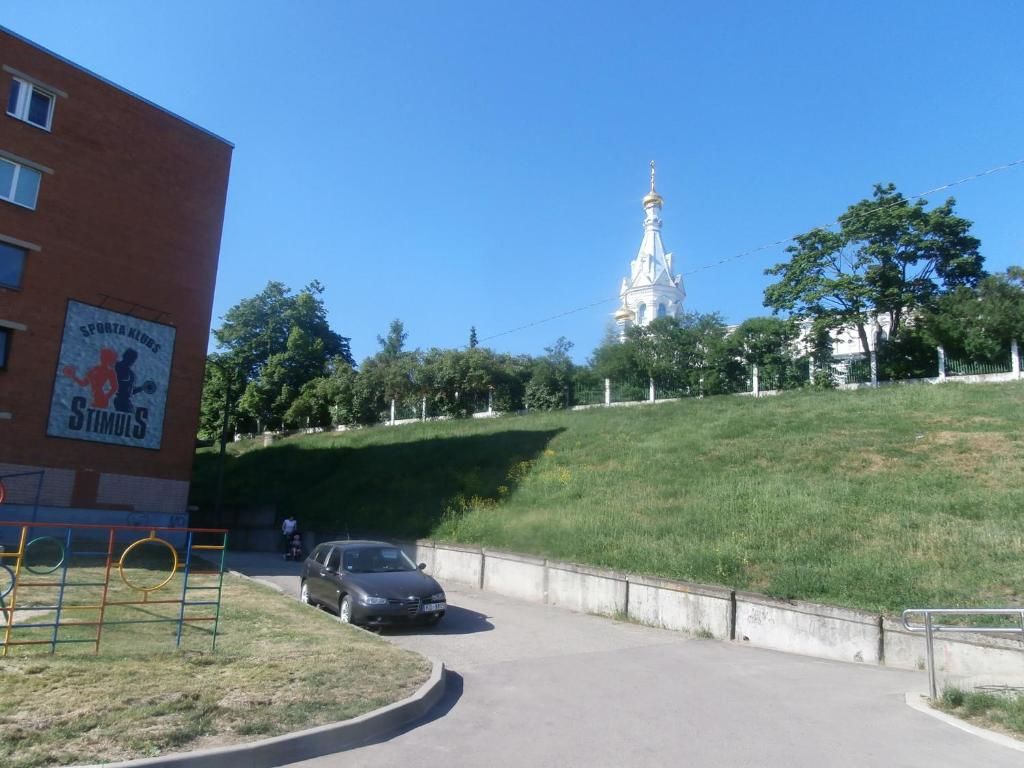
(12, 264)
(19, 183)
(662, 311)
(5, 346)
(30, 103)
(641, 314)
(334, 561)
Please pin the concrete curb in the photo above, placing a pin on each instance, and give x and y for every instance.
(310, 743)
(919, 701)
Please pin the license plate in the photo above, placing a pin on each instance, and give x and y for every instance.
(430, 607)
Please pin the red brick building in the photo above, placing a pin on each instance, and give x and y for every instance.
(111, 210)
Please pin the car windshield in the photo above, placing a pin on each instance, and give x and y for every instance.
(376, 560)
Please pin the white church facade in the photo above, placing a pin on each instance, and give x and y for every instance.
(652, 289)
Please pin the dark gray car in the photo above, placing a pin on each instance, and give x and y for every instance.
(372, 583)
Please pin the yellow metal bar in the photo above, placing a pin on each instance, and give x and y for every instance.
(14, 590)
(217, 547)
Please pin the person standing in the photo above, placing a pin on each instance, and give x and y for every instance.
(288, 529)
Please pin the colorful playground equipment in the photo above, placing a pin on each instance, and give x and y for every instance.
(68, 583)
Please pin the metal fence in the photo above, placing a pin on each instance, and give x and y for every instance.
(925, 623)
(967, 368)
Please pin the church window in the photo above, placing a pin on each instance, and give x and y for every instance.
(641, 314)
(662, 311)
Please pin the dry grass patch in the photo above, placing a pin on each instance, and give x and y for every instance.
(279, 667)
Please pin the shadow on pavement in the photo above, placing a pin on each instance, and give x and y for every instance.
(456, 621)
(262, 564)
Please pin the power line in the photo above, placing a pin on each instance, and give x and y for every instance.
(766, 246)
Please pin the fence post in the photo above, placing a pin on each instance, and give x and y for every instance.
(1014, 358)
(942, 363)
(423, 409)
(810, 370)
(392, 411)
(757, 382)
(650, 394)
(874, 368)
(490, 401)
(607, 391)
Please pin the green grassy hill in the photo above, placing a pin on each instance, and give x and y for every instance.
(904, 496)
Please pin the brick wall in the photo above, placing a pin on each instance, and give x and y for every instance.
(133, 210)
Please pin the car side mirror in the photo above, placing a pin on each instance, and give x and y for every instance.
(330, 569)
(422, 566)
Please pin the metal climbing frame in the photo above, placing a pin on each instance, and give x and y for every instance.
(111, 546)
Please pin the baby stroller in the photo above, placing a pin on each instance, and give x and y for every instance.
(294, 548)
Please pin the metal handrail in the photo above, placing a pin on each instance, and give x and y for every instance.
(929, 628)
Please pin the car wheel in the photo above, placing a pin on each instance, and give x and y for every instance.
(304, 594)
(345, 610)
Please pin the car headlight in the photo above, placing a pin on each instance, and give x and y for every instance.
(375, 601)
(437, 597)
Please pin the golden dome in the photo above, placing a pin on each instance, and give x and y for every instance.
(623, 314)
(652, 197)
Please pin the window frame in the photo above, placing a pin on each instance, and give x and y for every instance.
(15, 177)
(5, 347)
(24, 261)
(23, 104)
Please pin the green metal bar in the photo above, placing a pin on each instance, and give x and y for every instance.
(220, 584)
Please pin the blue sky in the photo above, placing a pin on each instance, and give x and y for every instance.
(457, 164)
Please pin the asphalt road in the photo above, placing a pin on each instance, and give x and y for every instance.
(531, 685)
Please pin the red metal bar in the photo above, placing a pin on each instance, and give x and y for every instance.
(115, 527)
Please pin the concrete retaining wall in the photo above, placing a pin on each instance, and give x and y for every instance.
(694, 608)
(814, 630)
(811, 629)
(588, 590)
(514, 575)
(458, 564)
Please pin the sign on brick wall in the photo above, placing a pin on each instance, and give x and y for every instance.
(112, 378)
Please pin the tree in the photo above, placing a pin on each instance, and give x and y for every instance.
(274, 343)
(472, 337)
(550, 384)
(768, 343)
(890, 256)
(391, 373)
(979, 323)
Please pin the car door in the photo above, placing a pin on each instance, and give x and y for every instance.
(315, 573)
(331, 578)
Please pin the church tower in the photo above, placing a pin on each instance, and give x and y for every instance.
(651, 290)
